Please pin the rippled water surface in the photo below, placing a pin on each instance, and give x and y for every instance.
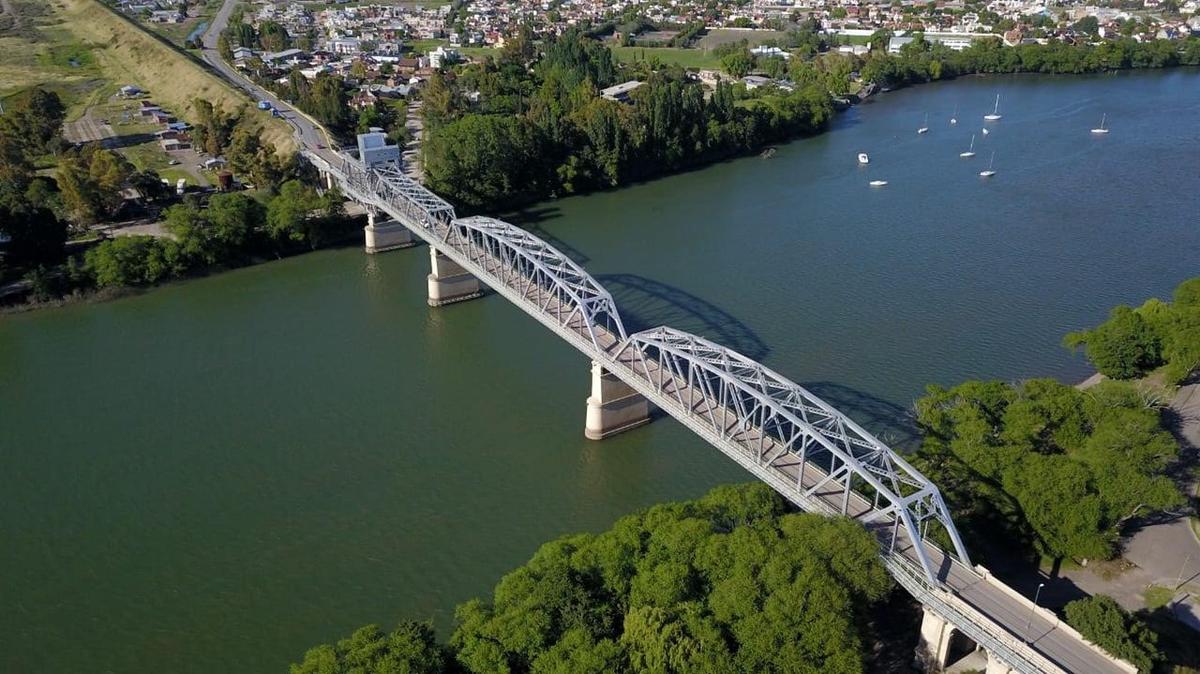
(216, 475)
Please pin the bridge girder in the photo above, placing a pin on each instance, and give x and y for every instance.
(790, 422)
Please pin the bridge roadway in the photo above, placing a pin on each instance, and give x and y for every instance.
(989, 613)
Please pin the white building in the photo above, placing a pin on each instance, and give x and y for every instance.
(441, 57)
(373, 149)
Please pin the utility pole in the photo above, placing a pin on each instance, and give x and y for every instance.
(1182, 567)
(1029, 623)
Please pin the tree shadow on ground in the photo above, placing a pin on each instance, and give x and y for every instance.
(892, 629)
(127, 140)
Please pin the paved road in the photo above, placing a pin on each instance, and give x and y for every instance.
(88, 128)
(308, 133)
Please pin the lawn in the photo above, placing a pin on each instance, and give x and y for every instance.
(703, 59)
(1157, 595)
(720, 36)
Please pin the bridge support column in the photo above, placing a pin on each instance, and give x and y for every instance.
(934, 647)
(613, 407)
(382, 234)
(997, 666)
(448, 282)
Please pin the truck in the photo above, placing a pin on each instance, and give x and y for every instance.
(264, 105)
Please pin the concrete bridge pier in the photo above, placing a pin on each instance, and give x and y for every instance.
(382, 234)
(448, 282)
(613, 407)
(933, 650)
(997, 666)
(943, 648)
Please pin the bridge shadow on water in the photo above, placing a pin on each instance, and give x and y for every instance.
(896, 426)
(646, 303)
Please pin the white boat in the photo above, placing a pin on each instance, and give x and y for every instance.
(878, 183)
(985, 132)
(971, 151)
(954, 116)
(989, 172)
(1101, 129)
(863, 158)
(924, 127)
(995, 111)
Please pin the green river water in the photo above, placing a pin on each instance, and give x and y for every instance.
(215, 475)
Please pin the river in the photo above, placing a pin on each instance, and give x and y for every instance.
(215, 475)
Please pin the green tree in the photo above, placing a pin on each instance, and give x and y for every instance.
(482, 161)
(411, 648)
(1088, 24)
(1122, 347)
(299, 215)
(91, 183)
(728, 583)
(134, 260)
(738, 63)
(1133, 341)
(34, 118)
(1047, 462)
(1103, 622)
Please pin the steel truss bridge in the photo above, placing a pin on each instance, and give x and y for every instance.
(806, 450)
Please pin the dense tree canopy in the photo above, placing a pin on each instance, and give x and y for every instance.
(922, 61)
(1103, 622)
(728, 583)
(409, 649)
(91, 181)
(1041, 461)
(34, 118)
(1133, 342)
(499, 134)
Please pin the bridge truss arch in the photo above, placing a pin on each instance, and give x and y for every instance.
(542, 274)
(782, 424)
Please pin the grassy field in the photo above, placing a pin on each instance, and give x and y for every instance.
(40, 51)
(126, 54)
(720, 36)
(84, 52)
(703, 59)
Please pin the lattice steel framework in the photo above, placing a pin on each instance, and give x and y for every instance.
(541, 273)
(501, 255)
(388, 187)
(782, 424)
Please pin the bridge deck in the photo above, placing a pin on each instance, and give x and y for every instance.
(982, 608)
